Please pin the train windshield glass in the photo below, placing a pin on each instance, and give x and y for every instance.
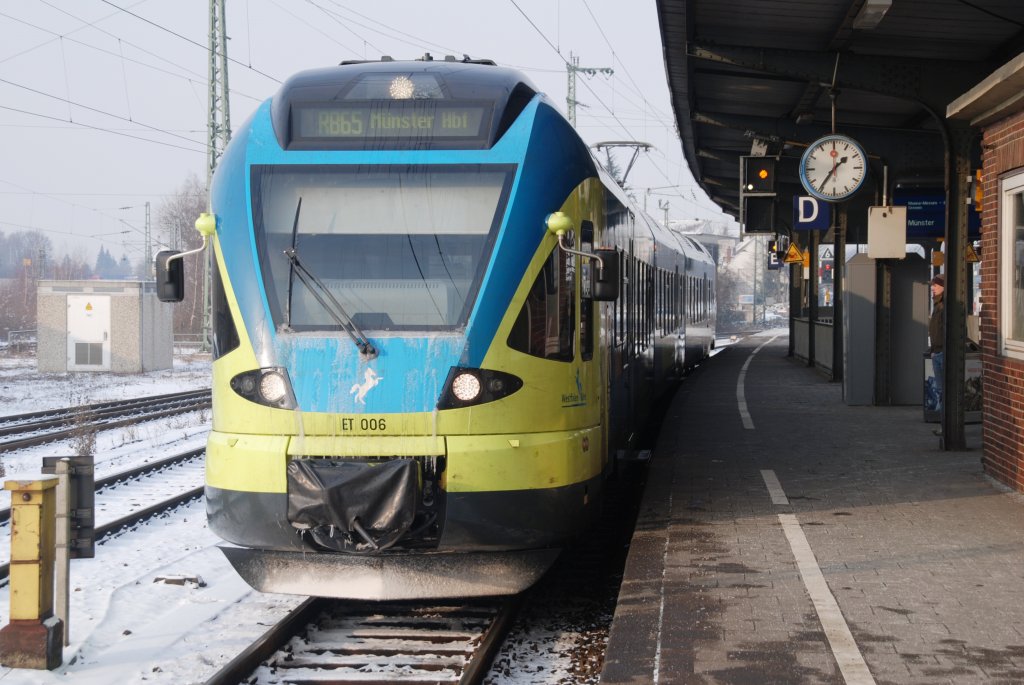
(397, 247)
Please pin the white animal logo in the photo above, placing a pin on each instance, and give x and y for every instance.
(371, 379)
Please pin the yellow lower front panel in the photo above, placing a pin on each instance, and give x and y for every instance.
(530, 461)
(475, 463)
(247, 463)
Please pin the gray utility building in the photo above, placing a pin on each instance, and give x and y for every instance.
(117, 326)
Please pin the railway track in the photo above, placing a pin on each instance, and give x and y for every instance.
(36, 428)
(181, 474)
(343, 642)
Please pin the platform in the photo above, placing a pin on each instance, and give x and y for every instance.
(785, 537)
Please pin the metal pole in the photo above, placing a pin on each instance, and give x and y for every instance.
(218, 135)
(62, 559)
(572, 67)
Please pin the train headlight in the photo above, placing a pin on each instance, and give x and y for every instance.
(466, 387)
(269, 387)
(273, 387)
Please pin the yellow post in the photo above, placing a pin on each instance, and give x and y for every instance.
(33, 638)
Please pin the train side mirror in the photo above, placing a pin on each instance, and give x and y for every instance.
(606, 276)
(170, 264)
(170, 276)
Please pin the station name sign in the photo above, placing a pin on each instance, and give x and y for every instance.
(926, 212)
(391, 119)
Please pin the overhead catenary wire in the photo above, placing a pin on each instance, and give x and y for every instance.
(100, 128)
(613, 115)
(186, 74)
(98, 111)
(189, 40)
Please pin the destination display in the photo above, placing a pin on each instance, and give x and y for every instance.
(392, 119)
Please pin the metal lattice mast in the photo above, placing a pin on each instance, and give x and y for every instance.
(573, 67)
(219, 121)
(218, 129)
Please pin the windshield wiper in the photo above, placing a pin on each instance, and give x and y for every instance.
(319, 290)
(291, 266)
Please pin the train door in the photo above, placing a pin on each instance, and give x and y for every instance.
(88, 333)
(592, 369)
(633, 365)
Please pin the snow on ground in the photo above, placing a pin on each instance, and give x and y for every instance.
(125, 626)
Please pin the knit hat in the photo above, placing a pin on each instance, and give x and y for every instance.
(938, 279)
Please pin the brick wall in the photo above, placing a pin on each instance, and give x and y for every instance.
(1002, 377)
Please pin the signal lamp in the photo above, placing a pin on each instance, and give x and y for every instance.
(758, 174)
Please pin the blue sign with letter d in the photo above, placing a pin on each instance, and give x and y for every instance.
(811, 214)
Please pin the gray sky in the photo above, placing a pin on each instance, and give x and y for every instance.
(103, 103)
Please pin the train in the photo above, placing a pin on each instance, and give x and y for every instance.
(437, 324)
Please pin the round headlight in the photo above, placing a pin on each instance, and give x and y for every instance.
(273, 387)
(466, 387)
(247, 385)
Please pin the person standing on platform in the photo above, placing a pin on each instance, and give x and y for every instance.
(937, 333)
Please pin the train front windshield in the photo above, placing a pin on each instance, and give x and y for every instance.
(399, 248)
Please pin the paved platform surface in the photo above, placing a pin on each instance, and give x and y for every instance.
(814, 542)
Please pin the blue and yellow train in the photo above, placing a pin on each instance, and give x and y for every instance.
(436, 321)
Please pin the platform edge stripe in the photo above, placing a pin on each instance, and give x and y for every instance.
(847, 654)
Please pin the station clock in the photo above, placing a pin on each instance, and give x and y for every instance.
(833, 168)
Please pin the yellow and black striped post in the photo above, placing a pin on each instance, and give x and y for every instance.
(34, 636)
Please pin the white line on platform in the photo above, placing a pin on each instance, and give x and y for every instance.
(741, 398)
(774, 488)
(661, 607)
(851, 662)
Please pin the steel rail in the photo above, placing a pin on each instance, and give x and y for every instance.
(54, 414)
(130, 520)
(133, 415)
(239, 668)
(242, 668)
(130, 474)
(480, 664)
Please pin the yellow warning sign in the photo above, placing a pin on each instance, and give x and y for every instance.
(793, 255)
(970, 255)
(88, 306)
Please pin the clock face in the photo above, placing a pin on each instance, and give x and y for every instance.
(833, 168)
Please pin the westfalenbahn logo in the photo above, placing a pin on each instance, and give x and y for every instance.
(575, 399)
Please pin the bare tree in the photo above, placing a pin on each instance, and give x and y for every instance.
(176, 219)
(23, 256)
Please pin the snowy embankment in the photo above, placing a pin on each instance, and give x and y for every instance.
(127, 624)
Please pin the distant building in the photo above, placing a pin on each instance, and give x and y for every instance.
(116, 326)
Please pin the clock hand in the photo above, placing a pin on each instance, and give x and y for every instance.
(831, 173)
(821, 188)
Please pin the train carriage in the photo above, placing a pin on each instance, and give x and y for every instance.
(436, 320)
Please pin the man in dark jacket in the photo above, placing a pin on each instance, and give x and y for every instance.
(937, 332)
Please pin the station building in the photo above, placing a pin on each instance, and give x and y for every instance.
(996, 108)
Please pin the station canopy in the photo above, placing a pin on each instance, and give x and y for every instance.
(761, 76)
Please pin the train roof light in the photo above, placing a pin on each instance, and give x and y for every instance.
(402, 88)
(396, 85)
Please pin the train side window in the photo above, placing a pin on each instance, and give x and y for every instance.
(546, 324)
(586, 329)
(224, 333)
